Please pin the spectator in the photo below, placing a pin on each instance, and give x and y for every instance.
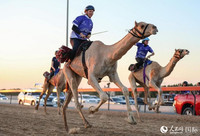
(185, 83)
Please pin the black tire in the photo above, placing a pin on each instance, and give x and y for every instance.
(33, 103)
(20, 102)
(188, 111)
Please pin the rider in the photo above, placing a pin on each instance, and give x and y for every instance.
(55, 65)
(142, 50)
(82, 28)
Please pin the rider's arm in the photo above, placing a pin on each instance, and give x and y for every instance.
(150, 55)
(76, 29)
(52, 63)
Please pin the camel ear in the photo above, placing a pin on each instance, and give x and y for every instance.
(136, 24)
(175, 49)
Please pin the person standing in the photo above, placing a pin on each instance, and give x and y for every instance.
(81, 30)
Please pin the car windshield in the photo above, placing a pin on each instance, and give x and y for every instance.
(35, 93)
(117, 99)
(86, 97)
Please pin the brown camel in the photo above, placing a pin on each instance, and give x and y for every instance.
(155, 73)
(57, 81)
(101, 61)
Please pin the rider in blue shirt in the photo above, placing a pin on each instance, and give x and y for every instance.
(55, 67)
(82, 28)
(142, 50)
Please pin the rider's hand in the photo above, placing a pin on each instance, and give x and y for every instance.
(88, 36)
(82, 35)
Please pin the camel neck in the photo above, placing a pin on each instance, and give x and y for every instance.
(166, 71)
(121, 47)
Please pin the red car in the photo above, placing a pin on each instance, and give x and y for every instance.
(184, 104)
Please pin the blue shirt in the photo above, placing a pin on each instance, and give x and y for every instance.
(84, 24)
(56, 63)
(142, 50)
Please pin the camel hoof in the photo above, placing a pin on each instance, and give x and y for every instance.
(158, 111)
(131, 120)
(82, 106)
(150, 108)
(88, 125)
(36, 108)
(92, 110)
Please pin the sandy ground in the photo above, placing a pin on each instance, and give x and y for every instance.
(19, 120)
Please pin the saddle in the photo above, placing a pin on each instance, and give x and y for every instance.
(63, 54)
(133, 67)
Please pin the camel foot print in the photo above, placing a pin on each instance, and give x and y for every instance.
(74, 130)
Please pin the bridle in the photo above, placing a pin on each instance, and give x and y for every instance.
(178, 55)
(137, 31)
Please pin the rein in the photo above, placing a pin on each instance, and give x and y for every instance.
(135, 34)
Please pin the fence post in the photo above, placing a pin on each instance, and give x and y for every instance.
(11, 98)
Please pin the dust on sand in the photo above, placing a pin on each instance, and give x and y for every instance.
(19, 120)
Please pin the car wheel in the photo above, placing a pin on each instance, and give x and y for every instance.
(188, 111)
(33, 103)
(20, 102)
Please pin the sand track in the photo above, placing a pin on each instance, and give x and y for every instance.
(24, 120)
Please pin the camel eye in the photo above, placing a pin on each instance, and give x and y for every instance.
(142, 26)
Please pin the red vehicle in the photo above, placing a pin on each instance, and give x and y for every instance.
(184, 104)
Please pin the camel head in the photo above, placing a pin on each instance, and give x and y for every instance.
(180, 53)
(143, 29)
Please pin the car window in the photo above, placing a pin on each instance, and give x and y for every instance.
(35, 93)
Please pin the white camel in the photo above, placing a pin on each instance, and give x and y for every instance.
(154, 77)
(101, 61)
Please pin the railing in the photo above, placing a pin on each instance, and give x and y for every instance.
(139, 89)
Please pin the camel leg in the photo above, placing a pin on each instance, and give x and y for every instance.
(146, 96)
(50, 89)
(67, 100)
(159, 96)
(45, 86)
(72, 79)
(59, 89)
(115, 78)
(134, 90)
(103, 96)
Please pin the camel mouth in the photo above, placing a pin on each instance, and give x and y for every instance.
(155, 31)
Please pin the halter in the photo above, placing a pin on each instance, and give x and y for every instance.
(136, 35)
(177, 55)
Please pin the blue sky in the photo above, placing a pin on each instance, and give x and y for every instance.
(31, 31)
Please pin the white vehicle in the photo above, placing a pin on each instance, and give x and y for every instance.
(131, 101)
(3, 97)
(167, 98)
(28, 98)
(86, 98)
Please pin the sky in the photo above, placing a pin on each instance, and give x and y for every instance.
(31, 31)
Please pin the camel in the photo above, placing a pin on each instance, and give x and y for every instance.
(155, 73)
(101, 61)
(59, 81)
